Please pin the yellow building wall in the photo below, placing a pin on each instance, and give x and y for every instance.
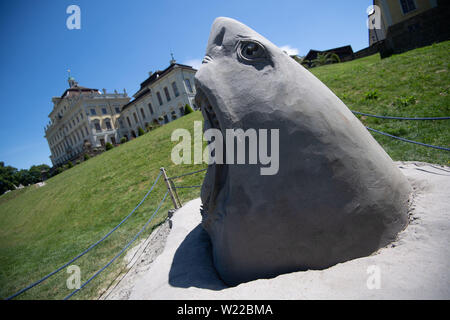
(392, 13)
(397, 14)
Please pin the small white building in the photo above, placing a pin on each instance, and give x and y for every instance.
(161, 98)
(80, 117)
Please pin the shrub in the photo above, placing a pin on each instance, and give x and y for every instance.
(188, 109)
(86, 157)
(141, 131)
(404, 101)
(155, 124)
(372, 95)
(123, 140)
(58, 170)
(69, 165)
(108, 146)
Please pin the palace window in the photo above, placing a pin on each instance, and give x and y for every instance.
(104, 111)
(159, 98)
(166, 119)
(135, 117)
(129, 122)
(407, 6)
(166, 91)
(102, 142)
(181, 111)
(150, 108)
(108, 124)
(86, 129)
(143, 113)
(97, 127)
(175, 89)
(117, 110)
(188, 85)
(93, 112)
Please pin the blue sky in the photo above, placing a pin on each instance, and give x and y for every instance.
(120, 41)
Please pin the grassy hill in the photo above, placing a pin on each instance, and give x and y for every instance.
(414, 84)
(42, 228)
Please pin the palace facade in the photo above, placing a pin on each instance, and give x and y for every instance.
(82, 119)
(161, 98)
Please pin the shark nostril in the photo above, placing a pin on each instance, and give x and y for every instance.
(218, 39)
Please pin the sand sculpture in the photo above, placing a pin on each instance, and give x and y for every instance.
(336, 195)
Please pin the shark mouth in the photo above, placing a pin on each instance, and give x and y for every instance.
(216, 174)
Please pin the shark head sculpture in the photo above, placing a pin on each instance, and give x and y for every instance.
(335, 194)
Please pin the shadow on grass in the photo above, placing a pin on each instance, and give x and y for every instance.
(192, 264)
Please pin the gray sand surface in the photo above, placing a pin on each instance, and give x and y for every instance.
(416, 266)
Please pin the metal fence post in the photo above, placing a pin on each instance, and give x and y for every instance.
(169, 188)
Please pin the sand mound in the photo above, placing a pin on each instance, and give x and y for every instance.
(416, 266)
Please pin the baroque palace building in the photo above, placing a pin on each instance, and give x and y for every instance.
(161, 98)
(82, 118)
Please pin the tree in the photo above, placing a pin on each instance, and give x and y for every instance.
(11, 177)
(325, 58)
(24, 177)
(8, 178)
(36, 172)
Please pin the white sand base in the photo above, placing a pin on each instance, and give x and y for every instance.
(416, 266)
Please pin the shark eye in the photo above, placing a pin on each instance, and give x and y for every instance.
(251, 50)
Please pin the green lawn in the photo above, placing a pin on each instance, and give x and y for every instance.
(413, 84)
(42, 228)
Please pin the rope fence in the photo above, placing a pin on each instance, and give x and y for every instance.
(88, 249)
(403, 118)
(121, 251)
(406, 140)
(179, 187)
(171, 190)
(172, 187)
(187, 174)
(397, 118)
